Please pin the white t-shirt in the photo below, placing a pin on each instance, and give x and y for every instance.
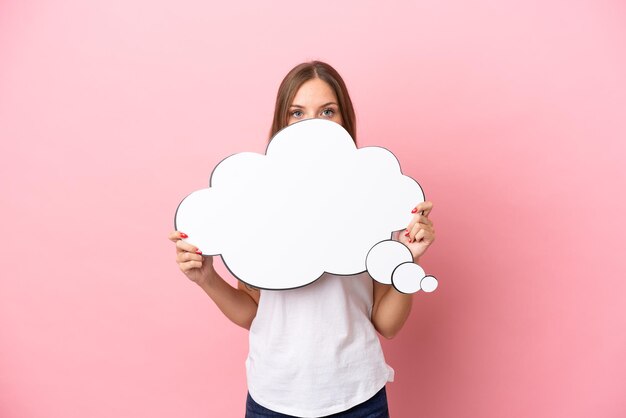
(314, 350)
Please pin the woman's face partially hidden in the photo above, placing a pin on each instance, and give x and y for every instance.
(314, 99)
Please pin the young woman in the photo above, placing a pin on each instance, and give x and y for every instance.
(314, 350)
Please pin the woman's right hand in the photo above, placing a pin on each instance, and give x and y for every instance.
(197, 268)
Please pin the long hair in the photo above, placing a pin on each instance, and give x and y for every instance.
(302, 73)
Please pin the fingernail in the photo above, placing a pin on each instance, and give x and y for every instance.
(198, 252)
(182, 234)
(414, 210)
(406, 235)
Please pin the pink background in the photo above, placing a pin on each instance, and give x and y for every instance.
(511, 115)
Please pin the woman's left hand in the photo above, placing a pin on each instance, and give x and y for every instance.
(420, 232)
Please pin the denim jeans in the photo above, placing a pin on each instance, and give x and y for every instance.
(375, 407)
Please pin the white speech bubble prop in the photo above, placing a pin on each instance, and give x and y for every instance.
(313, 203)
(429, 284)
(407, 277)
(391, 262)
(384, 257)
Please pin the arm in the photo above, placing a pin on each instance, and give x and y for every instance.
(392, 308)
(239, 305)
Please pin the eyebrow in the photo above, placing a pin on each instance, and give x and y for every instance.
(325, 104)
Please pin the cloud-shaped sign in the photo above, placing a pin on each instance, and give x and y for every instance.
(313, 203)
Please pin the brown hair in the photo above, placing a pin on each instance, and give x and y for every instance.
(296, 78)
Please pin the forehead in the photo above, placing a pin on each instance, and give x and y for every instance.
(314, 92)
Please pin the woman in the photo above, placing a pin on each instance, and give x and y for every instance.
(314, 350)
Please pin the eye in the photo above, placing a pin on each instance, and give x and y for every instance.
(296, 113)
(328, 112)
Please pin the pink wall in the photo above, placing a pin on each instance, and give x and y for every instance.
(512, 115)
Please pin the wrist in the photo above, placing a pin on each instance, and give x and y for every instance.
(208, 280)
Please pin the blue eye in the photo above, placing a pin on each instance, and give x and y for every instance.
(330, 115)
(296, 113)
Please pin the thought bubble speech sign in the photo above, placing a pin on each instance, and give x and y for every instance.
(313, 203)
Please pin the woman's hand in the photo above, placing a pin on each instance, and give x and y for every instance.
(197, 268)
(420, 233)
